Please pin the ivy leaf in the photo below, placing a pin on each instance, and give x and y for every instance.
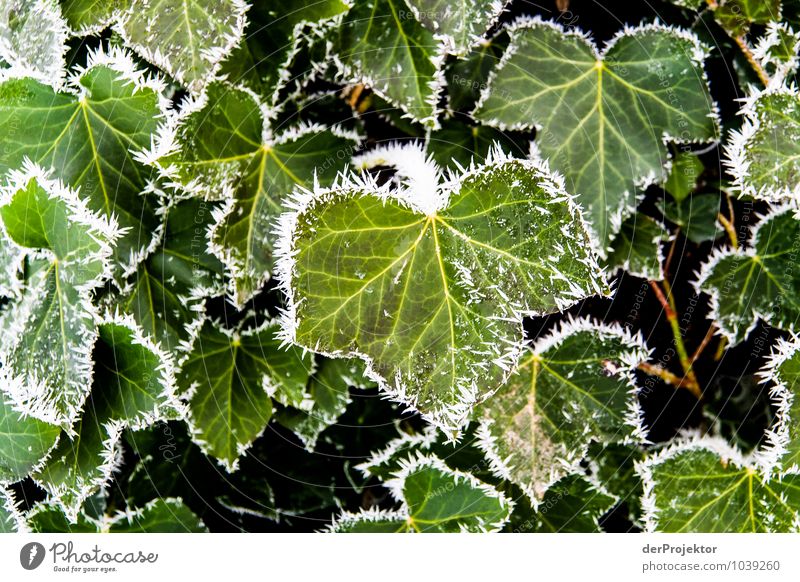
(435, 499)
(456, 145)
(737, 16)
(92, 141)
(186, 38)
(754, 283)
(24, 440)
(462, 25)
(777, 52)
(571, 505)
(614, 467)
(133, 388)
(575, 386)
(702, 485)
(602, 116)
(383, 45)
(783, 438)
(686, 169)
(11, 520)
(696, 216)
(637, 248)
(33, 37)
(273, 39)
(228, 379)
(166, 294)
(48, 356)
(467, 76)
(87, 17)
(427, 283)
(384, 463)
(328, 395)
(215, 156)
(763, 155)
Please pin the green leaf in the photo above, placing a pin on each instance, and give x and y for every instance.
(637, 248)
(272, 40)
(602, 116)
(696, 216)
(186, 38)
(222, 152)
(704, 486)
(435, 499)
(53, 321)
(756, 282)
(133, 388)
(782, 446)
(763, 156)
(462, 24)
(383, 45)
(229, 378)
(458, 144)
(93, 142)
(571, 505)
(737, 16)
(467, 76)
(166, 294)
(575, 386)
(614, 467)
(11, 520)
(49, 518)
(24, 440)
(777, 52)
(428, 282)
(686, 169)
(33, 37)
(91, 16)
(158, 516)
(384, 463)
(327, 397)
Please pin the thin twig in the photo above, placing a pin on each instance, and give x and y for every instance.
(669, 378)
(703, 344)
(729, 229)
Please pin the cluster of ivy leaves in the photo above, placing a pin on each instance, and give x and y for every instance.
(399, 266)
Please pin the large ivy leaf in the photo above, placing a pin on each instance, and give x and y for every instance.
(763, 155)
(602, 117)
(782, 445)
(90, 134)
(166, 294)
(228, 379)
(186, 38)
(222, 148)
(383, 45)
(273, 39)
(133, 388)
(435, 499)
(428, 282)
(575, 386)
(33, 37)
(704, 486)
(48, 355)
(462, 24)
(637, 248)
(756, 282)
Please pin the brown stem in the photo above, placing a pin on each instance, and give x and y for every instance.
(704, 343)
(669, 378)
(729, 229)
(748, 54)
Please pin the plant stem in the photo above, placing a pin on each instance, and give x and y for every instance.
(703, 344)
(728, 226)
(669, 378)
(748, 54)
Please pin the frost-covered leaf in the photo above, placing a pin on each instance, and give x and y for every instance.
(90, 135)
(328, 394)
(228, 379)
(764, 157)
(783, 438)
(737, 16)
(704, 486)
(48, 356)
(613, 465)
(158, 516)
(397, 56)
(756, 282)
(467, 76)
(459, 144)
(91, 16)
(461, 23)
(24, 440)
(272, 40)
(222, 149)
(686, 169)
(11, 520)
(637, 248)
(166, 293)
(571, 505)
(777, 51)
(435, 499)
(574, 386)
(384, 463)
(602, 117)
(186, 38)
(697, 216)
(428, 282)
(133, 388)
(33, 37)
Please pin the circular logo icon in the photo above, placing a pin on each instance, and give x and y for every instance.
(31, 555)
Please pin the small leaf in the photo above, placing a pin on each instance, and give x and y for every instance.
(384, 463)
(435, 499)
(426, 282)
(467, 76)
(704, 486)
(603, 116)
(463, 25)
(33, 37)
(613, 466)
(697, 216)
(92, 142)
(133, 388)
(458, 144)
(24, 440)
(747, 284)
(637, 248)
(575, 386)
(11, 519)
(53, 319)
(229, 378)
(737, 16)
(158, 516)
(187, 38)
(686, 169)
(777, 52)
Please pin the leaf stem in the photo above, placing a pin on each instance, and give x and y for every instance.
(729, 229)
(748, 54)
